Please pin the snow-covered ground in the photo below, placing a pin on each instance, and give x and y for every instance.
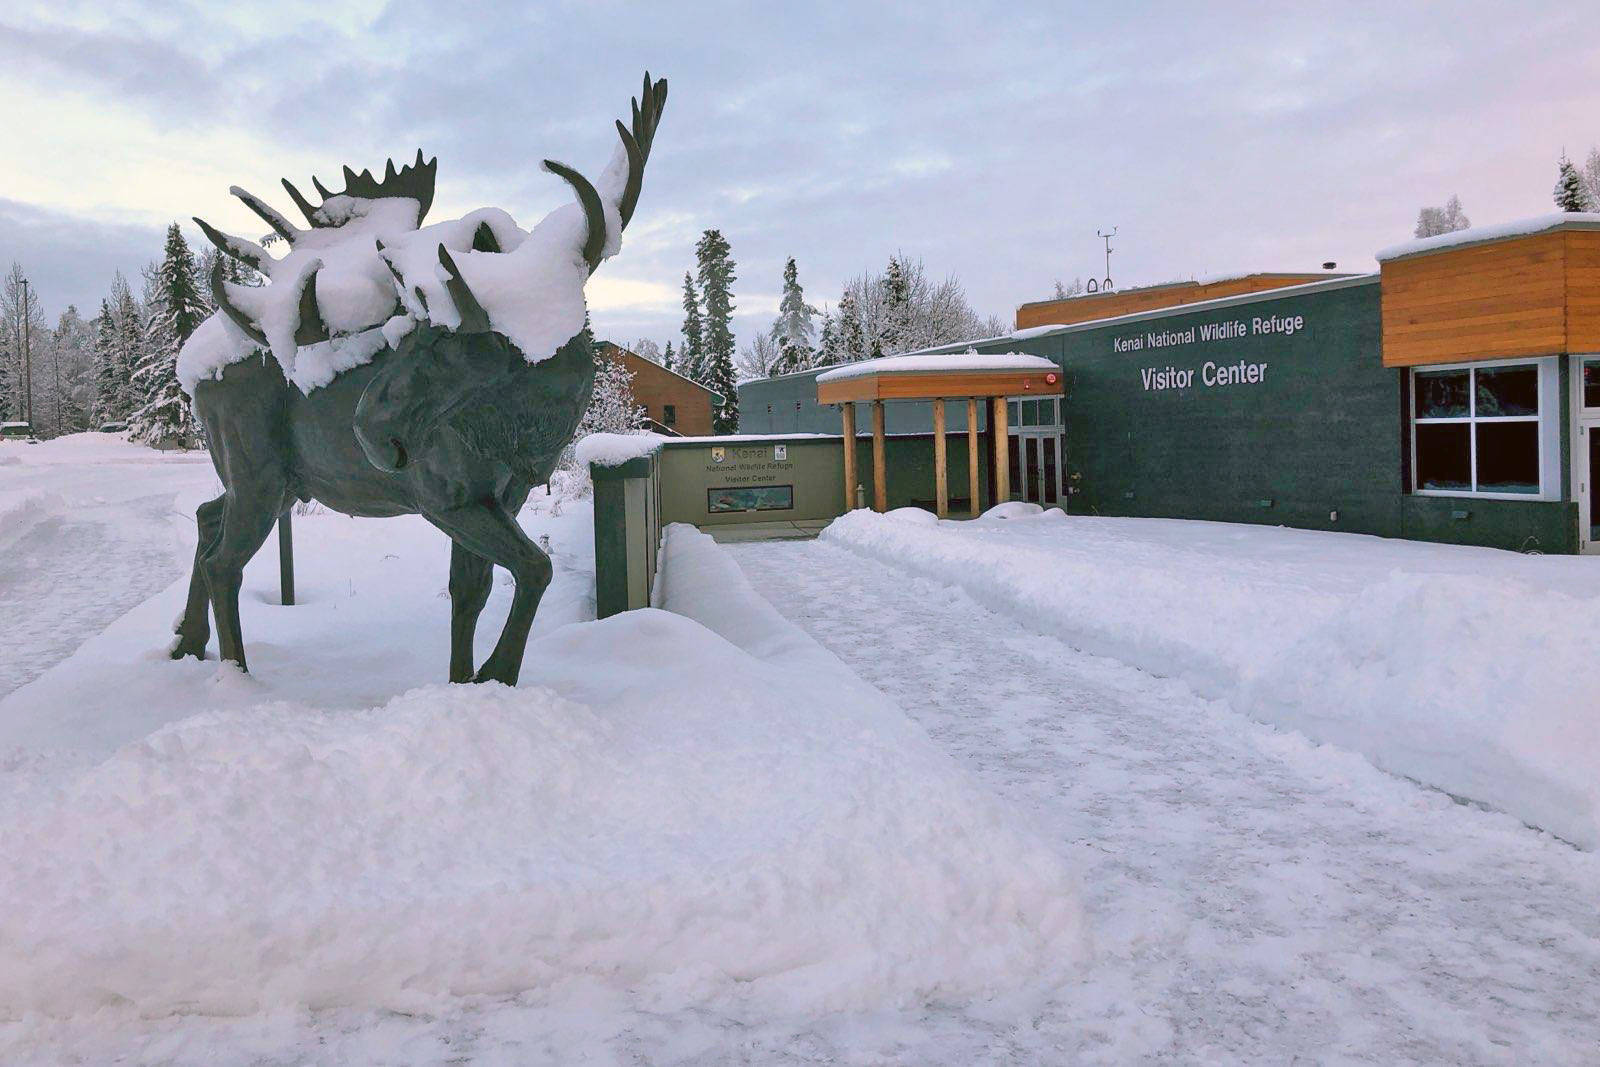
(1470, 669)
(1255, 897)
(90, 526)
(681, 827)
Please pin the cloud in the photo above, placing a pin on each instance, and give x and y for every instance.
(990, 139)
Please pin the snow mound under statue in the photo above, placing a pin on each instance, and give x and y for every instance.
(694, 807)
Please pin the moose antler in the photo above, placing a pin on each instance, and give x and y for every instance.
(636, 141)
(221, 297)
(414, 180)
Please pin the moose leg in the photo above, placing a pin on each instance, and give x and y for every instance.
(489, 531)
(471, 578)
(194, 629)
(246, 522)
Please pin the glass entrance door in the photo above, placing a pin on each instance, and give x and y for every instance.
(1588, 496)
(1038, 478)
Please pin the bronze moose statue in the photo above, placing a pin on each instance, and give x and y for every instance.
(387, 368)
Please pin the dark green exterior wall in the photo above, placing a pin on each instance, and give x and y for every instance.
(1319, 442)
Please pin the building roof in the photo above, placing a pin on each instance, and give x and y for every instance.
(931, 377)
(1474, 235)
(716, 397)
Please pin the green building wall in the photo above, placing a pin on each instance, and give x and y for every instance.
(1317, 442)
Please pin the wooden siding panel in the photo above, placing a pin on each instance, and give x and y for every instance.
(1583, 291)
(1490, 301)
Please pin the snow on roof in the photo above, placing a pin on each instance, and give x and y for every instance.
(939, 364)
(615, 449)
(1498, 232)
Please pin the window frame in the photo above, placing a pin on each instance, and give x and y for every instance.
(1545, 420)
(1578, 405)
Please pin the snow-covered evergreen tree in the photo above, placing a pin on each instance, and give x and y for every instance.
(177, 310)
(1570, 195)
(793, 332)
(827, 354)
(669, 359)
(130, 342)
(894, 326)
(1064, 291)
(109, 382)
(1432, 221)
(852, 337)
(938, 313)
(692, 356)
(716, 278)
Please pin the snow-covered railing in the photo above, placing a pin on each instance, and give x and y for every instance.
(626, 472)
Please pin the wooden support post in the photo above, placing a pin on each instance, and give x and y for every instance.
(1002, 454)
(286, 556)
(848, 412)
(972, 456)
(880, 491)
(941, 471)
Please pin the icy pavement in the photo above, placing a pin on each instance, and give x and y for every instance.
(90, 526)
(1254, 897)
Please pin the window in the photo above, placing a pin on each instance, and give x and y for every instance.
(1591, 383)
(669, 414)
(1477, 429)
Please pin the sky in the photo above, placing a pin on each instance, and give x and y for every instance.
(990, 140)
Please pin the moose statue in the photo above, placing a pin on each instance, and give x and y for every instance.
(387, 368)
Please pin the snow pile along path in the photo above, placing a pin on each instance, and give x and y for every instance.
(656, 808)
(1471, 670)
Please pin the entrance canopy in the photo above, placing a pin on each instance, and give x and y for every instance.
(969, 376)
(939, 377)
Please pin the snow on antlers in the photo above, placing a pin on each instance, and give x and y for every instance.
(366, 271)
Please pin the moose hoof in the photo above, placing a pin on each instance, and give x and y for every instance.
(189, 646)
(493, 672)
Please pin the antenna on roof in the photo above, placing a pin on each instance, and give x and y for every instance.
(1106, 237)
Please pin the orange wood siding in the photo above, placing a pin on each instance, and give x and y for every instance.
(654, 387)
(1583, 291)
(934, 386)
(1537, 295)
(1110, 305)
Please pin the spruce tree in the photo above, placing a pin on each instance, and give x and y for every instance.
(852, 341)
(108, 376)
(1569, 192)
(129, 321)
(793, 330)
(716, 278)
(669, 359)
(827, 343)
(895, 330)
(178, 310)
(691, 356)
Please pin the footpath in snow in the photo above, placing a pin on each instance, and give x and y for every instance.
(1469, 669)
(1255, 897)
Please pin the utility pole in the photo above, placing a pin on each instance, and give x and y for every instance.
(27, 362)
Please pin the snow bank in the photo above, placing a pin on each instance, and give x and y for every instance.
(1497, 232)
(692, 818)
(1467, 669)
(615, 449)
(935, 364)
